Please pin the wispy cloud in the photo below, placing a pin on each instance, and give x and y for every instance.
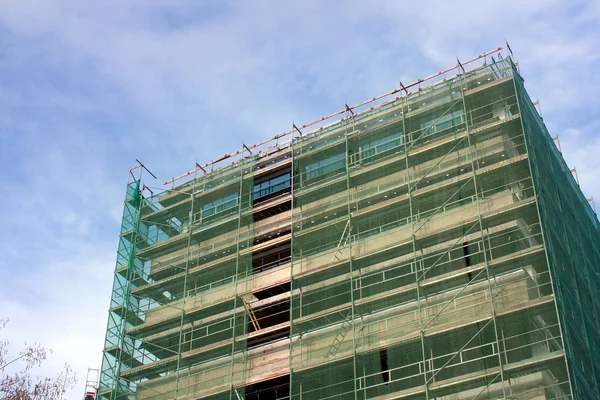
(87, 87)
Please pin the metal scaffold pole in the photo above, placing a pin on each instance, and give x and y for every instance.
(292, 288)
(409, 141)
(474, 168)
(233, 388)
(190, 228)
(348, 240)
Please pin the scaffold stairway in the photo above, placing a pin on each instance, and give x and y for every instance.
(340, 336)
(252, 315)
(342, 243)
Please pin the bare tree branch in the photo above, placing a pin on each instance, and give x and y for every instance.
(20, 385)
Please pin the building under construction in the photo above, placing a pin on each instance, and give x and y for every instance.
(429, 243)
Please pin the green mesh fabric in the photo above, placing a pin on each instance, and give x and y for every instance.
(572, 236)
(183, 268)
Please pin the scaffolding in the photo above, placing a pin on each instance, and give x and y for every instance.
(410, 249)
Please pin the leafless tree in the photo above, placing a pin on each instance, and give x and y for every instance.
(21, 385)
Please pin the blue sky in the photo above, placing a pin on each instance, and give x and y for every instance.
(88, 86)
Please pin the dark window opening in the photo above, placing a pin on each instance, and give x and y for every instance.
(383, 360)
(263, 338)
(263, 213)
(272, 187)
(274, 160)
(270, 315)
(271, 235)
(467, 259)
(273, 389)
(266, 317)
(271, 258)
(272, 291)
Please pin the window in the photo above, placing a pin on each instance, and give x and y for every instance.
(271, 186)
(441, 123)
(380, 145)
(323, 167)
(219, 205)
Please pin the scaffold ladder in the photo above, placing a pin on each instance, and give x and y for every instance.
(252, 315)
(340, 336)
(237, 394)
(91, 384)
(342, 243)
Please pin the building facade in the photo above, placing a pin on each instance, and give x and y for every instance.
(430, 243)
